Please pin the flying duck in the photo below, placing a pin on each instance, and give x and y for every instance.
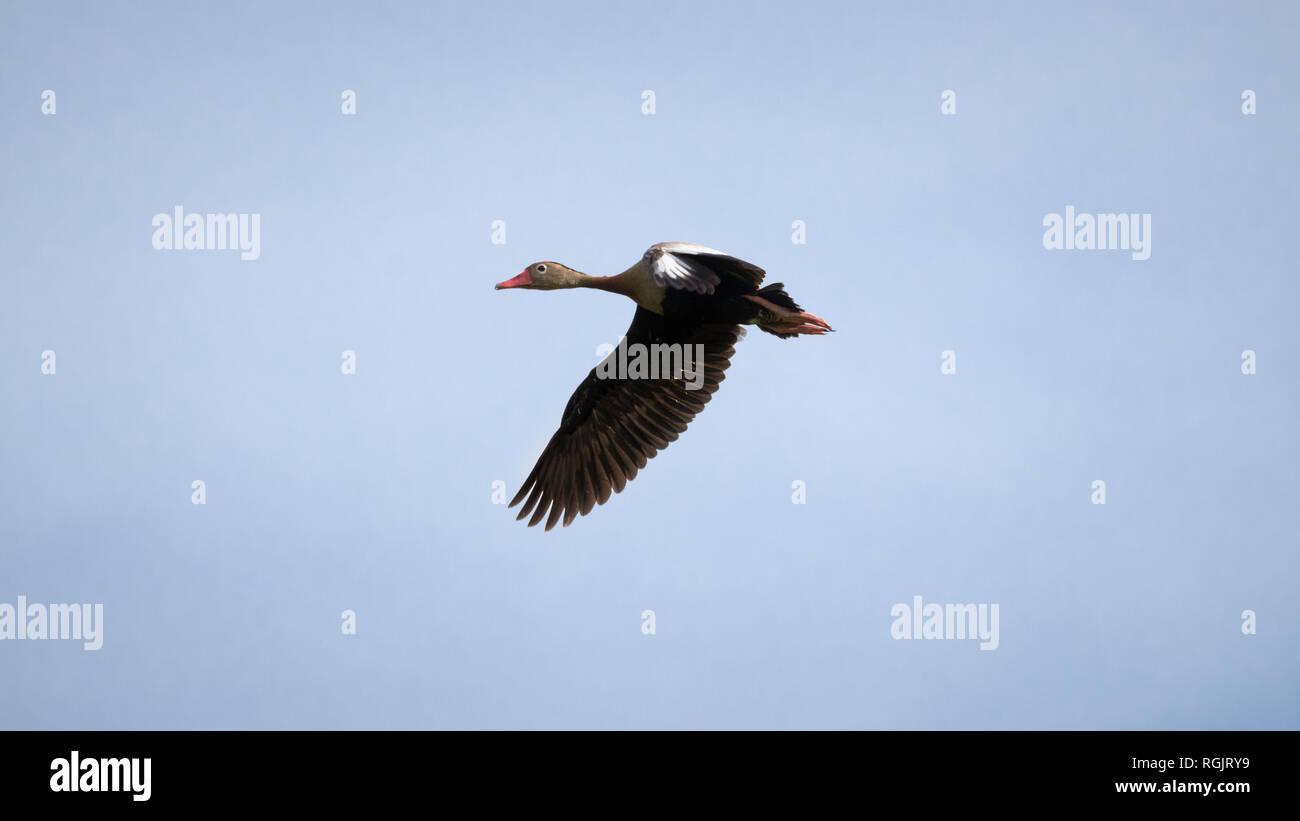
(691, 303)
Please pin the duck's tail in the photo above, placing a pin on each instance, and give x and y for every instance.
(781, 316)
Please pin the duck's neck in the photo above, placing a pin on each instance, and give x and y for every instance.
(632, 283)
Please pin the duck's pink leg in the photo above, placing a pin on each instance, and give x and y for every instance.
(800, 322)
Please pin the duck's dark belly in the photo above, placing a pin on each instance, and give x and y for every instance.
(724, 305)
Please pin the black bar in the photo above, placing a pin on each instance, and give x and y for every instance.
(331, 770)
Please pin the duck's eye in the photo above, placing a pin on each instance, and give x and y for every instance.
(541, 269)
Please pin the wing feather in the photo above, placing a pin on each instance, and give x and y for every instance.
(613, 426)
(690, 267)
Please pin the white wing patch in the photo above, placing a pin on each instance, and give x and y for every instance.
(688, 248)
(673, 271)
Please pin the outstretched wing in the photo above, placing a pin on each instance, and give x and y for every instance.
(691, 267)
(613, 426)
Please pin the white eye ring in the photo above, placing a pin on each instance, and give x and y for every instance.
(541, 269)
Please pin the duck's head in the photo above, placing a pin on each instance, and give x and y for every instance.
(544, 276)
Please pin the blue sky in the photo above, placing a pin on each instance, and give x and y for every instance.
(373, 492)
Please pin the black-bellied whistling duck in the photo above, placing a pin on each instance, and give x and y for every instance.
(689, 299)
